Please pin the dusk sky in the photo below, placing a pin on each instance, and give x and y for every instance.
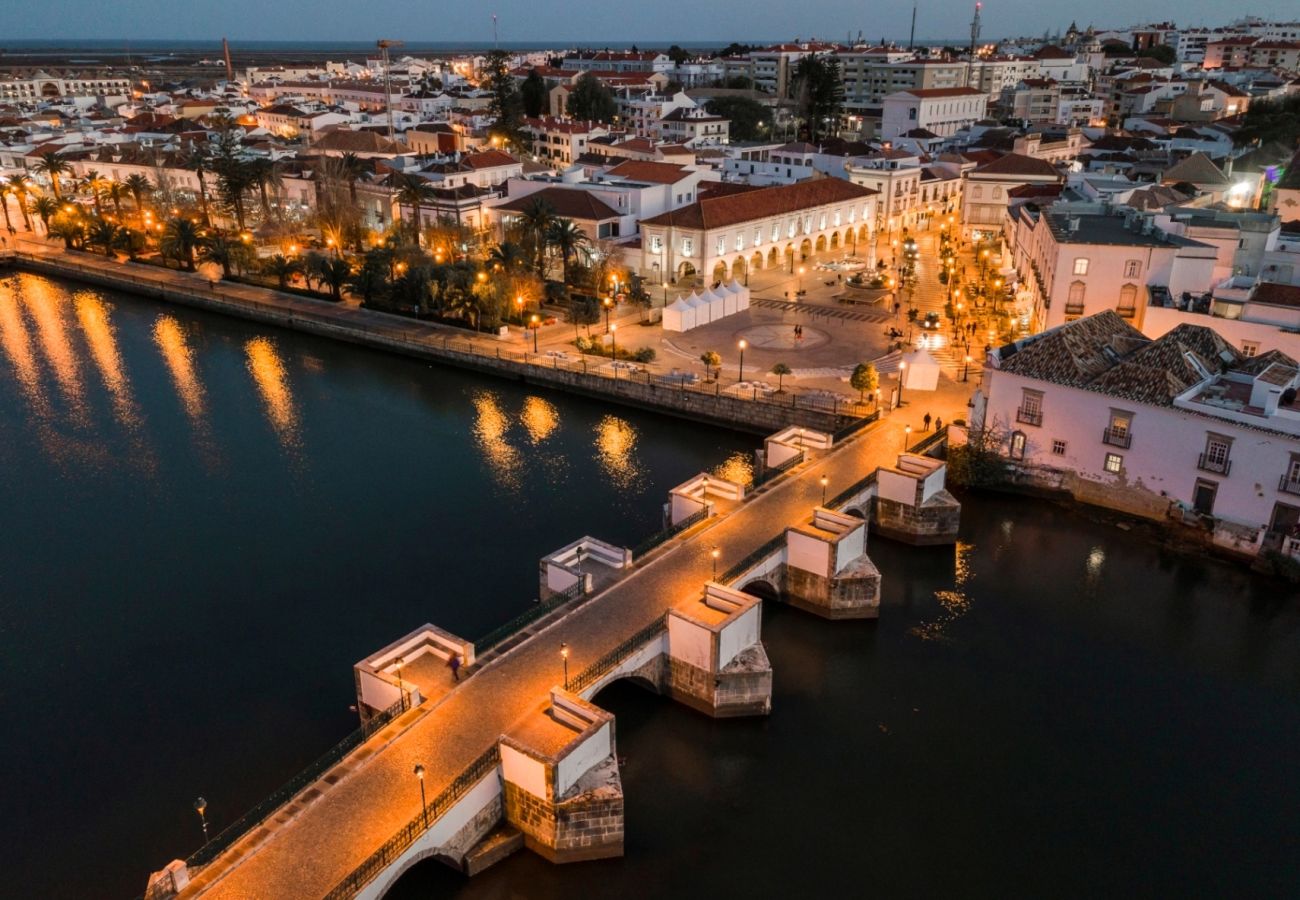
(585, 20)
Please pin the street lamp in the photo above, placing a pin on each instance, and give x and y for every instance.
(825, 481)
(201, 807)
(536, 322)
(715, 553)
(564, 655)
(424, 807)
(742, 346)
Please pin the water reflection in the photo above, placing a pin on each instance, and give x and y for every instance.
(47, 314)
(737, 468)
(616, 450)
(491, 426)
(273, 384)
(540, 418)
(953, 604)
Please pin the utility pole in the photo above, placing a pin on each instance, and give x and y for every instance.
(383, 45)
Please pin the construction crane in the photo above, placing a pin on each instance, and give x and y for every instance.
(383, 45)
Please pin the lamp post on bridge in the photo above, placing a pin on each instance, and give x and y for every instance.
(201, 807)
(424, 806)
(564, 655)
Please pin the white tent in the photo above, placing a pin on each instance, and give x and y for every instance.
(699, 310)
(674, 313)
(920, 372)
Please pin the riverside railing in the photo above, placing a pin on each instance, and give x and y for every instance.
(286, 792)
(598, 373)
(393, 848)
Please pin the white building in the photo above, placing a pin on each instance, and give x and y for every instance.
(943, 111)
(1183, 426)
(724, 237)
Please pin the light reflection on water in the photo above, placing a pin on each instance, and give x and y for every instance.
(273, 384)
(616, 450)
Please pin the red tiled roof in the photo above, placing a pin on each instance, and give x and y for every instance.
(722, 211)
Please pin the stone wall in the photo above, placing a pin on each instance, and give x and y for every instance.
(934, 522)
(713, 407)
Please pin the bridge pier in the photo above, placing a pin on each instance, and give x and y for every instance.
(716, 662)
(827, 570)
(912, 504)
(561, 782)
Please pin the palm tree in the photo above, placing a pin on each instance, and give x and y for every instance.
(537, 219)
(283, 268)
(780, 370)
(20, 186)
(138, 185)
(335, 273)
(507, 257)
(68, 228)
(45, 208)
(179, 241)
(103, 233)
(199, 165)
(94, 181)
(413, 191)
(52, 165)
(569, 239)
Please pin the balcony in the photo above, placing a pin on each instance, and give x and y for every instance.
(1217, 466)
(1289, 485)
(1029, 416)
(1117, 437)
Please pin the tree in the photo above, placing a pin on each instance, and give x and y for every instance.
(20, 186)
(864, 378)
(583, 310)
(413, 191)
(591, 100)
(506, 107)
(780, 370)
(53, 166)
(569, 239)
(283, 268)
(139, 186)
(711, 359)
(750, 120)
(533, 94)
(44, 208)
(818, 92)
(179, 241)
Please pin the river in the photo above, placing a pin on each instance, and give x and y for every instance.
(207, 523)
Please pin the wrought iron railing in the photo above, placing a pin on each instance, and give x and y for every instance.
(392, 849)
(286, 792)
(1117, 437)
(671, 531)
(529, 616)
(1207, 463)
(603, 666)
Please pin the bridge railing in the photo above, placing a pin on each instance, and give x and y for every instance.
(751, 559)
(393, 848)
(529, 616)
(666, 534)
(223, 839)
(607, 663)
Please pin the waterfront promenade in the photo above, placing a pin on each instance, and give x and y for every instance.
(717, 403)
(309, 853)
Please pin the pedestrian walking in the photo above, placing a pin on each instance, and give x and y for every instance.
(454, 664)
(926, 420)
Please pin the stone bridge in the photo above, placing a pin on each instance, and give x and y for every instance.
(515, 753)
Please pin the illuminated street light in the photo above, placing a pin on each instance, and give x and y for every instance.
(424, 807)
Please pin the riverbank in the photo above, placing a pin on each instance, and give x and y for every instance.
(708, 403)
